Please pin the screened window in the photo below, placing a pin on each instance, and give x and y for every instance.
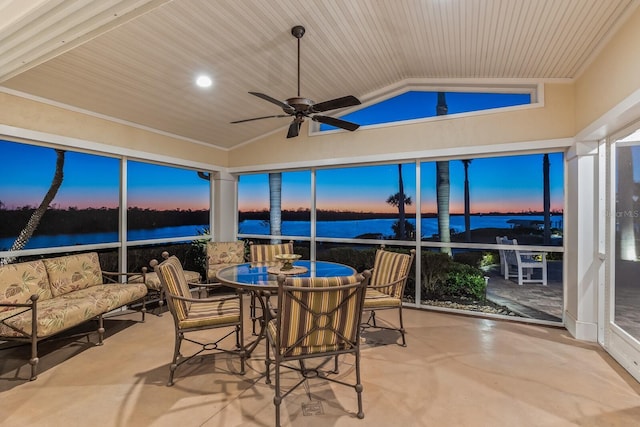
(78, 195)
(165, 202)
(366, 202)
(494, 196)
(291, 195)
(421, 104)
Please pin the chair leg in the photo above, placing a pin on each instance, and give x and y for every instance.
(267, 362)
(402, 331)
(160, 302)
(252, 313)
(372, 318)
(358, 386)
(277, 399)
(176, 353)
(100, 330)
(34, 356)
(240, 347)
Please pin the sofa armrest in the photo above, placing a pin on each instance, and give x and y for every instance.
(33, 306)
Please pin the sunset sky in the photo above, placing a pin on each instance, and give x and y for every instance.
(503, 184)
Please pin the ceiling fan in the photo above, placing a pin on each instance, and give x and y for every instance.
(299, 108)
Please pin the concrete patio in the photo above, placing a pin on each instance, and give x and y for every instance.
(455, 371)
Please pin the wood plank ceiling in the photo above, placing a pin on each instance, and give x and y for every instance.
(135, 60)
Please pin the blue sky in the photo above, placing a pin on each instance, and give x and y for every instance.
(92, 181)
(419, 104)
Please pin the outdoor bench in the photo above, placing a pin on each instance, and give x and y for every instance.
(41, 298)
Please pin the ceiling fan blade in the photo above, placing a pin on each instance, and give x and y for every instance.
(294, 129)
(281, 104)
(345, 101)
(332, 121)
(260, 118)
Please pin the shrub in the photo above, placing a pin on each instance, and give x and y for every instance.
(435, 266)
(472, 258)
(360, 259)
(465, 281)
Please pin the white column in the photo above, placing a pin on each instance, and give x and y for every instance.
(581, 262)
(225, 207)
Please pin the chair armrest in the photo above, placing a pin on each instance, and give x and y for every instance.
(532, 254)
(201, 300)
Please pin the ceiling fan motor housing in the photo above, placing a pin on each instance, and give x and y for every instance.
(302, 105)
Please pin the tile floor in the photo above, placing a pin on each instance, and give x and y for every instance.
(456, 371)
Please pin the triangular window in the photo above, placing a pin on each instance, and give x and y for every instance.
(415, 105)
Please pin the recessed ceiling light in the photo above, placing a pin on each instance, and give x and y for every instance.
(204, 81)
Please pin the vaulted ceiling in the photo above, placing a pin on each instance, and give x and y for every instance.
(136, 60)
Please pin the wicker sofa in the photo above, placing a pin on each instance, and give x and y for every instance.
(42, 298)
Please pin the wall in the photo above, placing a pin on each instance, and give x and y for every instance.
(36, 116)
(612, 80)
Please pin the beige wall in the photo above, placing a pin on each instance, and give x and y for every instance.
(553, 121)
(613, 76)
(32, 115)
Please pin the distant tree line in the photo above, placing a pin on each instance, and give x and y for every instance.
(96, 220)
(326, 215)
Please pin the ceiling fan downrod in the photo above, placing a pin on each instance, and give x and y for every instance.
(298, 32)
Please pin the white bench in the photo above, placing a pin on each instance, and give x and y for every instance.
(521, 264)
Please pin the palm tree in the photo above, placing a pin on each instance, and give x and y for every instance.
(443, 186)
(36, 216)
(546, 199)
(275, 205)
(467, 207)
(399, 200)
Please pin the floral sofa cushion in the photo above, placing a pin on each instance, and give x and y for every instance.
(73, 272)
(19, 281)
(70, 309)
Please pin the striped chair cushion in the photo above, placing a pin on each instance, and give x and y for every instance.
(172, 276)
(390, 267)
(377, 299)
(264, 253)
(212, 313)
(313, 322)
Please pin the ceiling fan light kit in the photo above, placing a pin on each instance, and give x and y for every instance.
(300, 108)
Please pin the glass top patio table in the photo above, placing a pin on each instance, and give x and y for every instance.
(254, 276)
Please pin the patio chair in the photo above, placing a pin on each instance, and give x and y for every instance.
(521, 264)
(155, 291)
(386, 287)
(265, 253)
(317, 317)
(221, 255)
(268, 252)
(195, 314)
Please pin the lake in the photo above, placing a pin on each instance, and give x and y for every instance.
(344, 229)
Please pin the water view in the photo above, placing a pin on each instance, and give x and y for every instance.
(372, 228)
